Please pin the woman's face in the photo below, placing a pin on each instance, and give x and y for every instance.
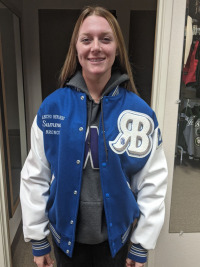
(96, 47)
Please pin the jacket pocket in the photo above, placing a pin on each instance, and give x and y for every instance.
(56, 236)
(126, 234)
(51, 201)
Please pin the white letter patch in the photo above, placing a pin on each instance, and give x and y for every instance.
(135, 130)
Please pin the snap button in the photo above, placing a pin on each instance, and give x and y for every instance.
(82, 97)
(107, 195)
(69, 243)
(81, 129)
(78, 161)
(71, 222)
(67, 251)
(75, 192)
(104, 164)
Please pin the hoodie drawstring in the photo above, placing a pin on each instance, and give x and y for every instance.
(104, 137)
(89, 123)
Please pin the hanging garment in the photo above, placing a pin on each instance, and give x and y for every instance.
(197, 84)
(186, 130)
(189, 131)
(189, 71)
(181, 127)
(194, 9)
(196, 111)
(198, 92)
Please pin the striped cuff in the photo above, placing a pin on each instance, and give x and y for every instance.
(40, 247)
(137, 253)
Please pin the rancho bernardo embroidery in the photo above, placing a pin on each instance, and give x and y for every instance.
(51, 124)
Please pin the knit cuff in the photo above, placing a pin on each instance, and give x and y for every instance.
(137, 253)
(40, 247)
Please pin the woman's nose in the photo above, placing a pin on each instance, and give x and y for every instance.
(96, 47)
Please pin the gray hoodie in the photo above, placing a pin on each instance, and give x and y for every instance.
(91, 223)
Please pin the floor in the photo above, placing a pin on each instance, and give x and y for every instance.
(185, 203)
(22, 252)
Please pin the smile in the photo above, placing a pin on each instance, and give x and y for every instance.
(96, 59)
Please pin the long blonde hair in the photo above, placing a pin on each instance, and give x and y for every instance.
(71, 63)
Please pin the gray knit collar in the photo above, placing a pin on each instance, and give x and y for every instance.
(78, 82)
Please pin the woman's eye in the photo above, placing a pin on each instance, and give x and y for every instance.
(85, 40)
(106, 39)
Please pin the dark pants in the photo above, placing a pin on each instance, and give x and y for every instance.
(91, 256)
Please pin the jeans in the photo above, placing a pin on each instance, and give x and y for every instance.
(91, 256)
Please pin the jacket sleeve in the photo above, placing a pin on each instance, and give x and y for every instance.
(150, 185)
(34, 192)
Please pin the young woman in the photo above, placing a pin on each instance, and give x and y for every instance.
(96, 163)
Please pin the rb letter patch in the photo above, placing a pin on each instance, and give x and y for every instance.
(135, 130)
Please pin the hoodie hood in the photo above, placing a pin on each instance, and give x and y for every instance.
(78, 82)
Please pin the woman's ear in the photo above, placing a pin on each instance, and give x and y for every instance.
(117, 52)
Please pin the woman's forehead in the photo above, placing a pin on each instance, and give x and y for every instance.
(95, 24)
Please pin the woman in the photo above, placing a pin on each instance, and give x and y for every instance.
(96, 162)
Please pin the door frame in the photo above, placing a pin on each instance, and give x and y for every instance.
(5, 252)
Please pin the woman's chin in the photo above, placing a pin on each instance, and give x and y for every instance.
(98, 73)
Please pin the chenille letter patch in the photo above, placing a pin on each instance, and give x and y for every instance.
(135, 134)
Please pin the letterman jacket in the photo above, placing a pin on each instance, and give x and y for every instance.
(132, 166)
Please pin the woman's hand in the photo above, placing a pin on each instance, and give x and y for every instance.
(131, 263)
(44, 261)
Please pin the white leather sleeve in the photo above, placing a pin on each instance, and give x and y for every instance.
(34, 188)
(150, 185)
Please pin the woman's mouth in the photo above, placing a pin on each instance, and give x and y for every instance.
(96, 59)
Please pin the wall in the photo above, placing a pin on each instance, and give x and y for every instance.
(8, 47)
(15, 5)
(144, 5)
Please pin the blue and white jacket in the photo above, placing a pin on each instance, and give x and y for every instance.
(132, 166)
